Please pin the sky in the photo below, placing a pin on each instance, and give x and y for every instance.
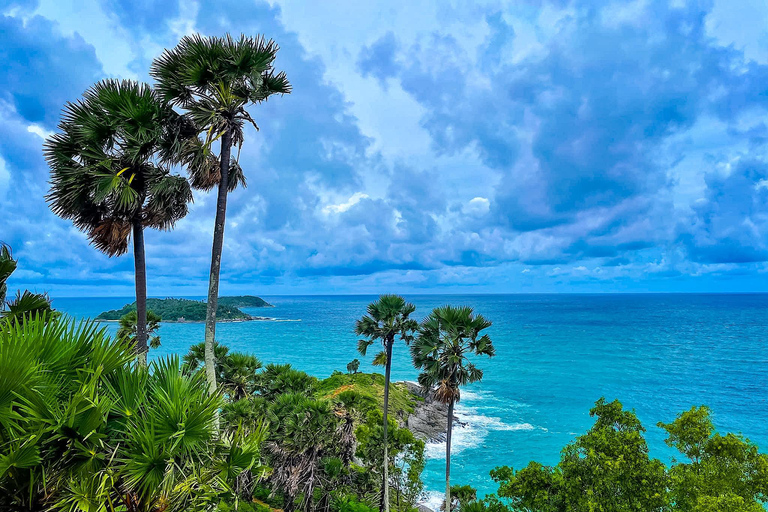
(427, 147)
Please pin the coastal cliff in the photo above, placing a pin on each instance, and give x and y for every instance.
(429, 419)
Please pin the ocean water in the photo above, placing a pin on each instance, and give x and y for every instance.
(556, 355)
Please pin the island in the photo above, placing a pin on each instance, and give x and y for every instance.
(188, 310)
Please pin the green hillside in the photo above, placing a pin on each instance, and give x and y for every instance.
(244, 301)
(175, 310)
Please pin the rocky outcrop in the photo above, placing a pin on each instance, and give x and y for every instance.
(429, 420)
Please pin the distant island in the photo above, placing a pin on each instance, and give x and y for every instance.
(187, 310)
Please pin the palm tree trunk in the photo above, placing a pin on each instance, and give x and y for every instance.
(218, 245)
(385, 487)
(448, 459)
(139, 259)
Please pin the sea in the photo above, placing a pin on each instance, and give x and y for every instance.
(659, 354)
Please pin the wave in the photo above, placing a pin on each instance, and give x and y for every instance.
(473, 428)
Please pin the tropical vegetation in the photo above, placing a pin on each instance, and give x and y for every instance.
(110, 173)
(609, 469)
(214, 80)
(447, 338)
(387, 320)
(25, 304)
(177, 310)
(84, 427)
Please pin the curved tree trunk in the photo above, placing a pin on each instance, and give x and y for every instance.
(139, 260)
(218, 245)
(448, 459)
(385, 487)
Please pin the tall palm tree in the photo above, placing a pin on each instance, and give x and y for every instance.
(387, 319)
(110, 175)
(446, 338)
(214, 79)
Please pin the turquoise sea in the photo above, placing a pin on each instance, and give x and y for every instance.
(556, 355)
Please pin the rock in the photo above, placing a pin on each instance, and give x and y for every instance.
(423, 508)
(429, 420)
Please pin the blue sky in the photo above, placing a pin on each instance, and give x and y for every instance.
(446, 146)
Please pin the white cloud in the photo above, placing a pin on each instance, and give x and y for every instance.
(39, 131)
(5, 177)
(342, 207)
(477, 206)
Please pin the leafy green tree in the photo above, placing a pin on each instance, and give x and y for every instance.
(461, 496)
(388, 318)
(406, 460)
(194, 359)
(128, 328)
(110, 175)
(353, 366)
(447, 337)
(606, 469)
(215, 79)
(723, 472)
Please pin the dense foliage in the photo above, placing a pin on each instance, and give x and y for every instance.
(174, 310)
(85, 428)
(609, 469)
(244, 301)
(325, 446)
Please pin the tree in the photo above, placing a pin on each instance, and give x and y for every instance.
(387, 319)
(239, 375)
(447, 337)
(128, 328)
(110, 175)
(724, 472)
(214, 79)
(353, 366)
(606, 469)
(303, 440)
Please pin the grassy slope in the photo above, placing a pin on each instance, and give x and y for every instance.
(370, 386)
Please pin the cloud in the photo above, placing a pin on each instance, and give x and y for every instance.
(556, 145)
(730, 224)
(42, 69)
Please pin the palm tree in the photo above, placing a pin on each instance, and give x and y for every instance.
(214, 79)
(109, 173)
(128, 328)
(446, 338)
(387, 318)
(238, 377)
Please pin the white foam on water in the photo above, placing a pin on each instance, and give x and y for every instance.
(433, 500)
(475, 429)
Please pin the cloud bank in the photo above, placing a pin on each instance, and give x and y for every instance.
(553, 146)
